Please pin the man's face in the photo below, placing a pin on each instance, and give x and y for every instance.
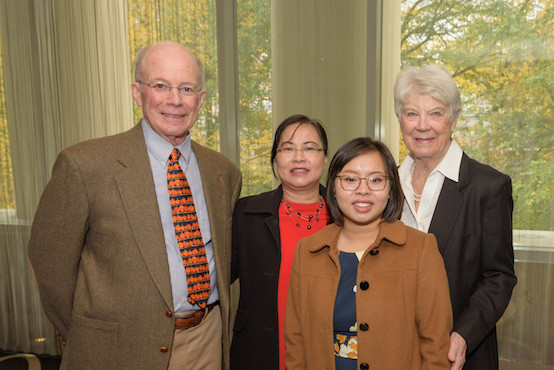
(170, 114)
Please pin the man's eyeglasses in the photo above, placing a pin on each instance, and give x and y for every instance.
(307, 150)
(351, 182)
(163, 89)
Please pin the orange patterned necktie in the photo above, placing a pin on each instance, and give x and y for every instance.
(187, 231)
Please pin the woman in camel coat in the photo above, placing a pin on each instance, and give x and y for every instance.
(367, 292)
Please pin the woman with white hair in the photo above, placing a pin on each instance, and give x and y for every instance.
(465, 204)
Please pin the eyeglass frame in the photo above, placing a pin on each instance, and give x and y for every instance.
(303, 150)
(180, 90)
(360, 182)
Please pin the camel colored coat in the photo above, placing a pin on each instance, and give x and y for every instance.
(98, 251)
(407, 304)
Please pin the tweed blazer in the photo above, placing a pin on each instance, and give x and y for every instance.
(256, 263)
(473, 226)
(98, 252)
(406, 305)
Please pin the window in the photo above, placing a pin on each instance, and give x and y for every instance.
(254, 54)
(194, 25)
(500, 54)
(7, 202)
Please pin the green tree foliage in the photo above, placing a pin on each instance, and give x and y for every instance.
(254, 55)
(500, 54)
(6, 178)
(193, 23)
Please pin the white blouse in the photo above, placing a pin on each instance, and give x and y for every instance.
(448, 167)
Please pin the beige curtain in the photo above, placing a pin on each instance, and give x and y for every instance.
(337, 61)
(67, 79)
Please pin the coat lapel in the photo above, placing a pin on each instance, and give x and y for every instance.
(272, 224)
(138, 194)
(448, 207)
(268, 204)
(218, 204)
(213, 185)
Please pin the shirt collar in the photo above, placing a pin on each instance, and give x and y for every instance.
(450, 164)
(161, 148)
(394, 232)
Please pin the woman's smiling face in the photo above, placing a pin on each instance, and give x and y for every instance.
(300, 157)
(363, 206)
(426, 128)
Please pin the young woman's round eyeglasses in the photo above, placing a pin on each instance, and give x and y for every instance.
(352, 182)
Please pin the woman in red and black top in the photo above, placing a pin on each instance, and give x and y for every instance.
(266, 228)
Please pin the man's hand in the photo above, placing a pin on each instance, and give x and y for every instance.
(457, 351)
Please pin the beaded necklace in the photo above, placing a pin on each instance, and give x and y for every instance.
(417, 197)
(309, 218)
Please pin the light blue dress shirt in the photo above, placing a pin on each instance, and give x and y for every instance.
(158, 151)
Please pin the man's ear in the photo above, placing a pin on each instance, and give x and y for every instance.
(135, 90)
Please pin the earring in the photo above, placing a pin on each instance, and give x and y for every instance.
(451, 135)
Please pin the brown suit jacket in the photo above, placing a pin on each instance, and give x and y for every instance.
(406, 305)
(98, 252)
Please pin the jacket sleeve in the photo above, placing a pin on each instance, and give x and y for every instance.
(294, 345)
(433, 308)
(57, 239)
(492, 295)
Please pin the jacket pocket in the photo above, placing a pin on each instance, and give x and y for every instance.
(91, 344)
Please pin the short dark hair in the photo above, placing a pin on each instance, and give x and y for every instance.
(348, 152)
(294, 119)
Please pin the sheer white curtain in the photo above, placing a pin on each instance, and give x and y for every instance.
(66, 79)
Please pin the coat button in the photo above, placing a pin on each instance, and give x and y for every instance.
(364, 285)
(168, 313)
(374, 252)
(364, 366)
(164, 349)
(364, 326)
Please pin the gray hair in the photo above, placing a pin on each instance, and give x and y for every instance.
(432, 80)
(144, 51)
